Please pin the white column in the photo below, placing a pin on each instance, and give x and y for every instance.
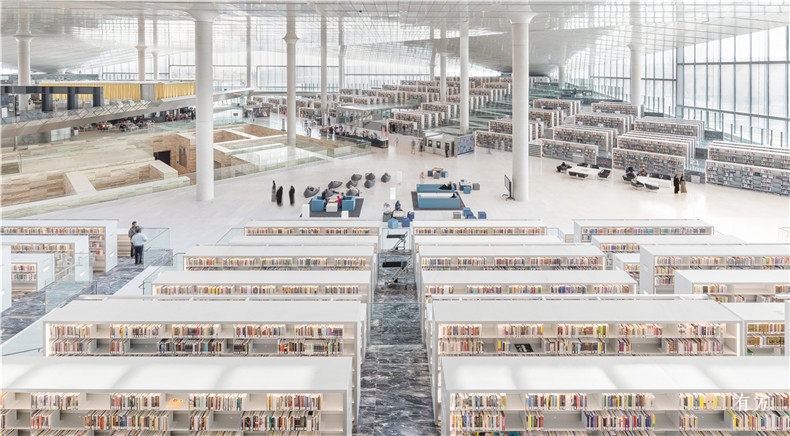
(560, 76)
(23, 38)
(464, 48)
(204, 120)
(155, 51)
(432, 63)
(637, 93)
(250, 83)
(443, 66)
(141, 49)
(324, 111)
(341, 57)
(520, 27)
(787, 330)
(290, 104)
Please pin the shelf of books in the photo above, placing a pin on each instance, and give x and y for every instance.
(705, 396)
(176, 396)
(673, 145)
(735, 285)
(542, 328)
(652, 162)
(768, 157)
(72, 255)
(659, 262)
(629, 243)
(487, 240)
(675, 126)
(30, 272)
(528, 257)
(611, 107)
(493, 141)
(765, 326)
(501, 125)
(5, 278)
(585, 229)
(251, 257)
(102, 236)
(448, 109)
(628, 262)
(620, 122)
(605, 138)
(311, 240)
(401, 127)
(314, 228)
(482, 228)
(755, 178)
(571, 107)
(550, 117)
(569, 151)
(220, 328)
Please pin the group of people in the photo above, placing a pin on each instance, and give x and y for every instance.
(679, 184)
(277, 194)
(137, 240)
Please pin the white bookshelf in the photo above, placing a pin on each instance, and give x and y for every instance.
(751, 177)
(604, 138)
(176, 396)
(528, 257)
(569, 151)
(493, 140)
(310, 240)
(765, 326)
(571, 107)
(312, 227)
(612, 244)
(542, 328)
(675, 126)
(627, 262)
(493, 240)
(659, 262)
(485, 227)
(734, 286)
(30, 272)
(611, 107)
(72, 254)
(769, 157)
(665, 393)
(657, 163)
(251, 257)
(675, 145)
(585, 229)
(621, 122)
(551, 117)
(5, 279)
(102, 235)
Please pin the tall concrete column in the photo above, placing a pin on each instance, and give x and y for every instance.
(23, 38)
(324, 111)
(637, 68)
(290, 68)
(250, 83)
(520, 27)
(464, 52)
(443, 66)
(341, 56)
(560, 76)
(432, 63)
(141, 49)
(204, 123)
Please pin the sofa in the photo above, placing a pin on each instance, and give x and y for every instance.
(348, 203)
(433, 187)
(438, 200)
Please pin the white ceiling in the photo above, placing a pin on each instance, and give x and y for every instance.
(75, 34)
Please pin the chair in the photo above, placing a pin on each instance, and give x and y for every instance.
(583, 164)
(456, 215)
(348, 204)
(385, 178)
(351, 183)
(335, 184)
(594, 166)
(369, 183)
(582, 175)
(475, 186)
(316, 204)
(370, 176)
(604, 174)
(481, 215)
(410, 214)
(405, 222)
(356, 177)
(430, 173)
(467, 189)
(627, 177)
(637, 184)
(310, 192)
(651, 187)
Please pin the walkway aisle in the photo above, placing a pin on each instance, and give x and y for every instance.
(395, 394)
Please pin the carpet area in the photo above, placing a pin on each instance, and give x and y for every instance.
(414, 203)
(352, 213)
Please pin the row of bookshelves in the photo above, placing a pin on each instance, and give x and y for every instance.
(748, 155)
(550, 117)
(675, 126)
(763, 179)
(604, 138)
(651, 162)
(620, 122)
(571, 107)
(530, 289)
(141, 331)
(196, 289)
(493, 140)
(657, 144)
(611, 107)
(569, 151)
(585, 229)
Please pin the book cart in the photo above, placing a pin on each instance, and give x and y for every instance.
(219, 328)
(542, 328)
(176, 396)
(729, 395)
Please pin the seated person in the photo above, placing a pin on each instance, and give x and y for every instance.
(629, 170)
(446, 187)
(387, 209)
(562, 167)
(397, 205)
(643, 172)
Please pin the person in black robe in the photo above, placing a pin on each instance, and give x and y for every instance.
(676, 183)
(280, 196)
(291, 193)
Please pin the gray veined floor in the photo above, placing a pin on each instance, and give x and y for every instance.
(395, 379)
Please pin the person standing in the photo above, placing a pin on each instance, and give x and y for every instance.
(132, 230)
(676, 183)
(682, 185)
(413, 146)
(138, 243)
(291, 193)
(446, 149)
(274, 191)
(279, 196)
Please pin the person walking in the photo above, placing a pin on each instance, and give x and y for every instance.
(138, 243)
(132, 230)
(682, 185)
(676, 183)
(274, 191)
(291, 193)
(413, 146)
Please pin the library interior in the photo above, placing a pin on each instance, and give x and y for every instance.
(395, 218)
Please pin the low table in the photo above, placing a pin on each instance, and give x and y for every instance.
(590, 172)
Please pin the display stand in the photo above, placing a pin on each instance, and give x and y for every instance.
(612, 395)
(102, 235)
(734, 286)
(579, 328)
(584, 229)
(659, 262)
(172, 396)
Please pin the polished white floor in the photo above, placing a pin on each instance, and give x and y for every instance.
(554, 198)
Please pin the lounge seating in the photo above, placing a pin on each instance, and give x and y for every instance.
(351, 183)
(594, 166)
(348, 203)
(628, 177)
(385, 178)
(370, 176)
(583, 164)
(335, 184)
(573, 173)
(369, 183)
(352, 192)
(604, 174)
(438, 200)
(637, 184)
(582, 175)
(317, 204)
(356, 177)
(311, 192)
(433, 187)
(651, 187)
